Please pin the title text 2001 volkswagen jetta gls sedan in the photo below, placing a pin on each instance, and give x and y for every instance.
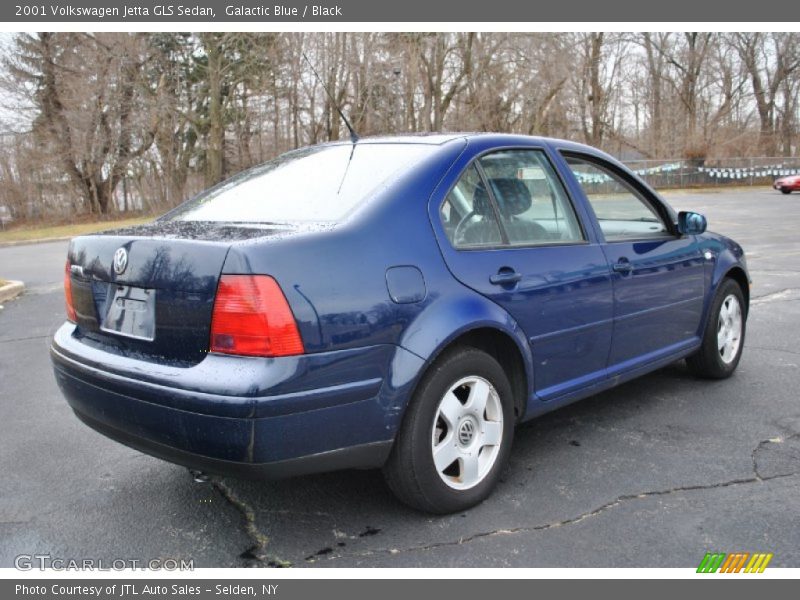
(396, 302)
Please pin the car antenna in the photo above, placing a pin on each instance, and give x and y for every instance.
(353, 134)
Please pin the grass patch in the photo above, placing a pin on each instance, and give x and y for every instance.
(29, 232)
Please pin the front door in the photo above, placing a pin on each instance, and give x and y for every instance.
(515, 237)
(658, 274)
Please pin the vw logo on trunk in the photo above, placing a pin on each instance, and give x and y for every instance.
(120, 261)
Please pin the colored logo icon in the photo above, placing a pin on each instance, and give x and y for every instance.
(738, 562)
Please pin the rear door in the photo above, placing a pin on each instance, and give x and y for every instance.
(515, 237)
(658, 274)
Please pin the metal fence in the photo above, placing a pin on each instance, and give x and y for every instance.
(678, 173)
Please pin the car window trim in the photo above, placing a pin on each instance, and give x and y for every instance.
(475, 160)
(664, 236)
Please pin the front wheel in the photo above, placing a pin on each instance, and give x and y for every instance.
(723, 340)
(785, 190)
(456, 436)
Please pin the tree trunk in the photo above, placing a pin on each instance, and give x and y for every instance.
(216, 127)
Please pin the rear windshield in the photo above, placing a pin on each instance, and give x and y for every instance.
(321, 183)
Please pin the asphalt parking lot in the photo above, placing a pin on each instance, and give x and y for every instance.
(654, 473)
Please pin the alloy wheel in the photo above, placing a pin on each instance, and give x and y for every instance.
(467, 432)
(729, 328)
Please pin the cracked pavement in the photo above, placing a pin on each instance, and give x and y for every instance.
(653, 473)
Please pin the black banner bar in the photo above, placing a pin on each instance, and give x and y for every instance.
(268, 587)
(472, 11)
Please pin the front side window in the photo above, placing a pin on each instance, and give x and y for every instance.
(317, 184)
(622, 212)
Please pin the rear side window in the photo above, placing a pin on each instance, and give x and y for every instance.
(467, 214)
(533, 206)
(318, 184)
(509, 198)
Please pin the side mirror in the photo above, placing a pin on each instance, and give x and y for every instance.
(691, 223)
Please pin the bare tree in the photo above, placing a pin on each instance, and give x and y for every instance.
(771, 59)
(92, 101)
(600, 62)
(141, 121)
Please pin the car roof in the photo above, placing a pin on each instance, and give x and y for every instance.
(483, 141)
(438, 139)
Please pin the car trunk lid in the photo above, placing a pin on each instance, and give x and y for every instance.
(156, 302)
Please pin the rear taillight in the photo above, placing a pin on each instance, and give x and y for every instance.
(71, 315)
(252, 317)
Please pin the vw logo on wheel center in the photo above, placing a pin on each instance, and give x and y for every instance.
(465, 432)
(120, 261)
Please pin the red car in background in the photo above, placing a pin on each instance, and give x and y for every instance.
(788, 184)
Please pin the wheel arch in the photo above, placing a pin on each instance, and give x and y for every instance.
(727, 268)
(503, 348)
(739, 276)
(493, 331)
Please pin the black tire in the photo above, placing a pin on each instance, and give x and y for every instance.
(708, 362)
(785, 190)
(410, 471)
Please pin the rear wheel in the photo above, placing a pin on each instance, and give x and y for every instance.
(723, 340)
(456, 436)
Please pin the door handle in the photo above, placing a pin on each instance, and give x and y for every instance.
(505, 277)
(623, 266)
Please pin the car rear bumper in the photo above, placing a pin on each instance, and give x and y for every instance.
(237, 415)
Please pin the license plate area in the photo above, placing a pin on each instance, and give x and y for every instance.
(131, 313)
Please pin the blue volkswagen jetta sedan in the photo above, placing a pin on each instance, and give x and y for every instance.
(395, 302)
